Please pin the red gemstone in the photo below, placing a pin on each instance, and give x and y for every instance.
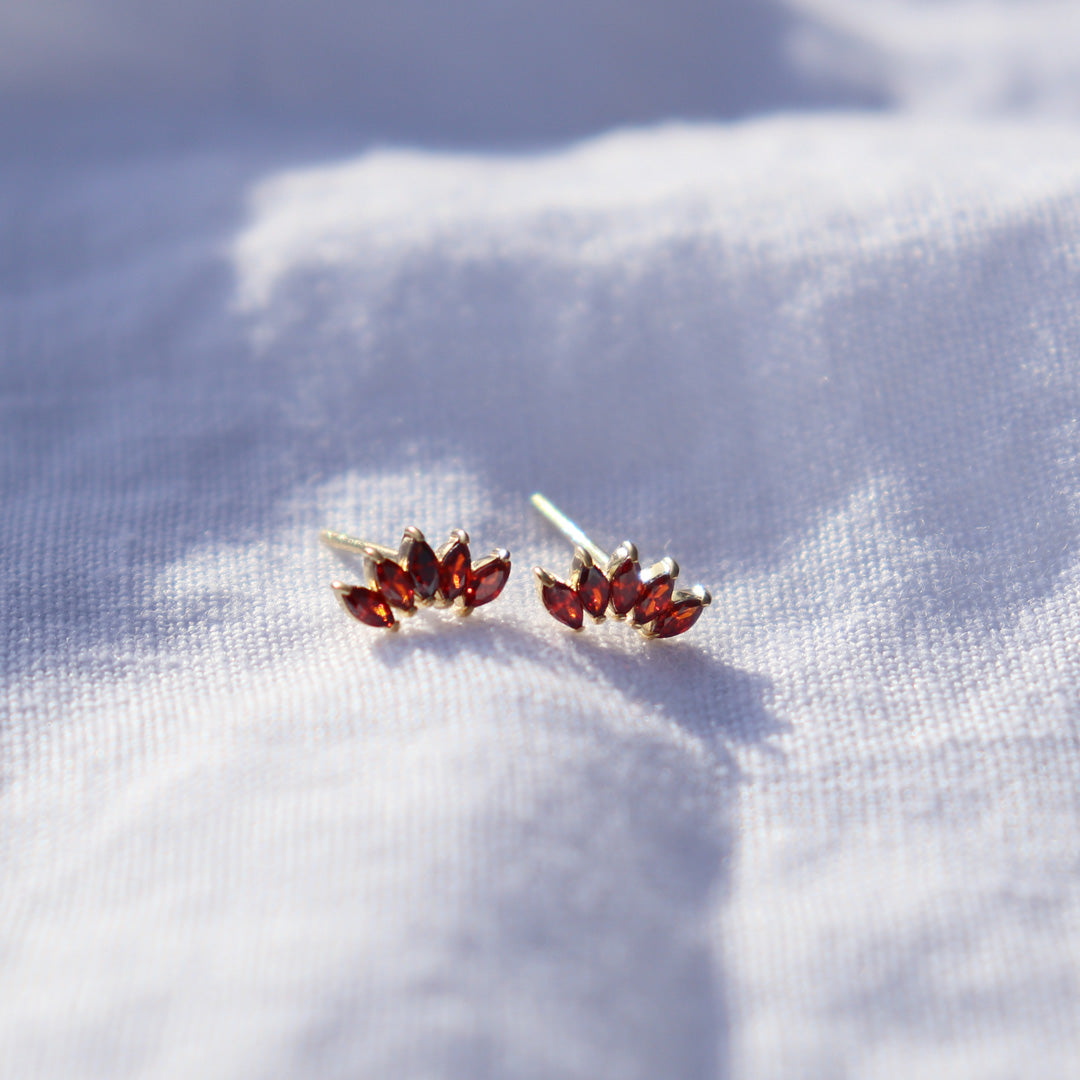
(626, 586)
(563, 603)
(395, 584)
(368, 606)
(655, 599)
(423, 566)
(486, 581)
(454, 568)
(682, 614)
(593, 590)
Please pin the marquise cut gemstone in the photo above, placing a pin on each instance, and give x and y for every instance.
(655, 599)
(593, 591)
(679, 617)
(454, 569)
(486, 581)
(395, 584)
(368, 606)
(626, 586)
(562, 602)
(423, 566)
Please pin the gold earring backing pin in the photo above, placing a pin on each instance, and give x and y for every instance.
(354, 545)
(570, 529)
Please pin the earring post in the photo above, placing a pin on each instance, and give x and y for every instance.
(570, 529)
(353, 544)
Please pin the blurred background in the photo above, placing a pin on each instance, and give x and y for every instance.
(481, 71)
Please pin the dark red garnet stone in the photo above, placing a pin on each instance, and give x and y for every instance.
(625, 586)
(395, 584)
(678, 618)
(563, 604)
(655, 598)
(454, 569)
(423, 566)
(593, 591)
(486, 581)
(368, 606)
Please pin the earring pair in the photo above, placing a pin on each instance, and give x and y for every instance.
(600, 583)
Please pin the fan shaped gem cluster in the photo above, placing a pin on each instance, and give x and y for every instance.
(649, 601)
(420, 576)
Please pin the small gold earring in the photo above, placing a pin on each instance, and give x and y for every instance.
(601, 583)
(416, 575)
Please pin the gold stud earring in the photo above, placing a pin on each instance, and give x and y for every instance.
(601, 583)
(415, 575)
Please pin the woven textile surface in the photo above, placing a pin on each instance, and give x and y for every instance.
(790, 293)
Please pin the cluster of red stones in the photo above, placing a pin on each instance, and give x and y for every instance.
(419, 575)
(648, 601)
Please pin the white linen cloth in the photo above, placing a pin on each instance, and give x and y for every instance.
(828, 362)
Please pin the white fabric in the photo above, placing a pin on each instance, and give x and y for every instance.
(827, 361)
